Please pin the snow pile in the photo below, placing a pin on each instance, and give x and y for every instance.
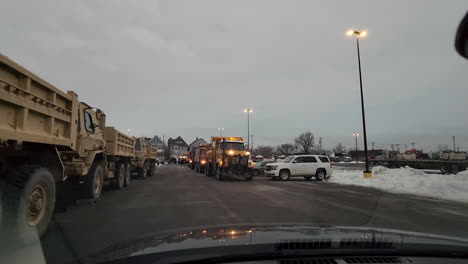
(409, 180)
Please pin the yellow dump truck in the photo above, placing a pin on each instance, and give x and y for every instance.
(48, 137)
(144, 159)
(199, 159)
(227, 156)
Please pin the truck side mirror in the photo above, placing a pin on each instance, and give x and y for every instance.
(102, 120)
(461, 38)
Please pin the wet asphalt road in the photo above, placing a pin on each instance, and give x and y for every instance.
(178, 197)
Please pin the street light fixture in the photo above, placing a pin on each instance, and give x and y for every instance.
(361, 34)
(355, 137)
(248, 111)
(221, 129)
(128, 131)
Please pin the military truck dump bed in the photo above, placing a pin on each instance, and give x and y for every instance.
(33, 110)
(117, 143)
(151, 152)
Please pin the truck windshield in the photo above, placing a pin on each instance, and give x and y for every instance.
(137, 144)
(233, 145)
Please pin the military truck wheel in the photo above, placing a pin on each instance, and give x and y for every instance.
(119, 178)
(152, 169)
(255, 172)
(128, 174)
(92, 186)
(142, 172)
(27, 206)
(218, 175)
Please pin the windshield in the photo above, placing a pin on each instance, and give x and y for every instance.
(232, 146)
(360, 106)
(137, 144)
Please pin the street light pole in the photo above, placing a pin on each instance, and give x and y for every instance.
(355, 138)
(367, 172)
(248, 111)
(221, 129)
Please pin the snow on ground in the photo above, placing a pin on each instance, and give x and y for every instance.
(409, 180)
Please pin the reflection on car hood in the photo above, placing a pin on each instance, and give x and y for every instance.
(282, 237)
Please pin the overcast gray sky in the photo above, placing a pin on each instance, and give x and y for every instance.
(188, 67)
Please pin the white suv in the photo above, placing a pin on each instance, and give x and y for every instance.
(307, 166)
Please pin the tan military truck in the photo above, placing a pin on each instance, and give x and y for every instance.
(48, 137)
(144, 159)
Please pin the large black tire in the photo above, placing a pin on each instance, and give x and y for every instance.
(218, 174)
(444, 169)
(118, 181)
(152, 169)
(255, 172)
(320, 175)
(143, 172)
(284, 175)
(92, 186)
(27, 202)
(128, 174)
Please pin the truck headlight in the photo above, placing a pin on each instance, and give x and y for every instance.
(231, 152)
(203, 162)
(247, 153)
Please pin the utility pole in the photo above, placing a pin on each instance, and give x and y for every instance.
(454, 148)
(412, 143)
(372, 143)
(253, 146)
(320, 145)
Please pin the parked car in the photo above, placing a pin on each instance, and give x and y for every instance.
(259, 167)
(306, 166)
(172, 160)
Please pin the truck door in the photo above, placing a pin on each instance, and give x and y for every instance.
(90, 137)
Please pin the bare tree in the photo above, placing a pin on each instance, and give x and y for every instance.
(305, 141)
(442, 147)
(265, 151)
(285, 149)
(340, 148)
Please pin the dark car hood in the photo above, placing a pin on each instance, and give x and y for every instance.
(278, 237)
